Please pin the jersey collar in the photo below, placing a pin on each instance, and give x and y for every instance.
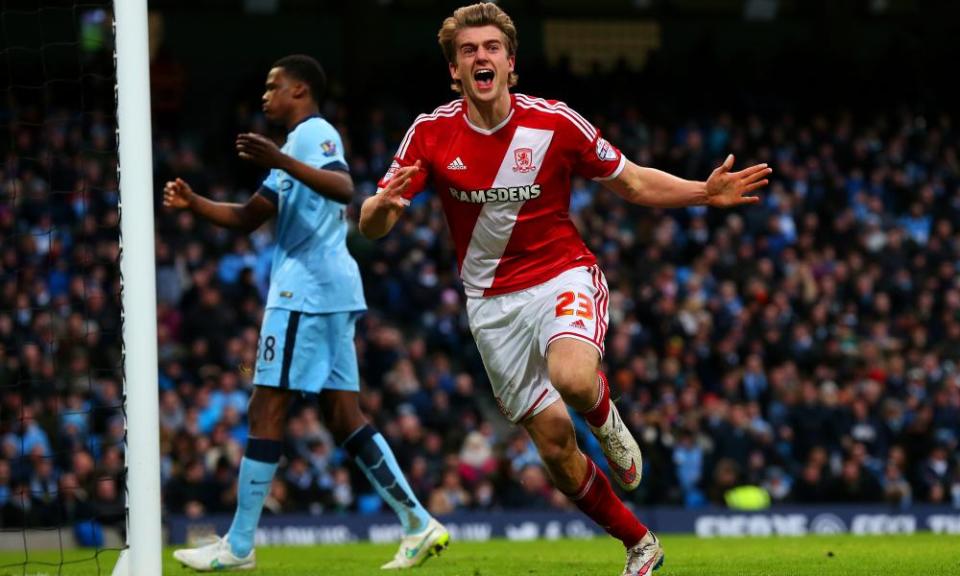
(298, 124)
(489, 131)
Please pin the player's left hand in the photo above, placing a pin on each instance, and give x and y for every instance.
(726, 188)
(259, 149)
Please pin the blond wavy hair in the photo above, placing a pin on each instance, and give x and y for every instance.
(474, 16)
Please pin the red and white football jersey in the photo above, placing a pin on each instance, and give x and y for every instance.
(506, 190)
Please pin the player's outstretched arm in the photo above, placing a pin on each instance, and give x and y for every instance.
(380, 212)
(262, 151)
(247, 217)
(658, 189)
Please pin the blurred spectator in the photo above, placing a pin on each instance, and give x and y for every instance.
(896, 489)
(476, 459)
(450, 495)
(44, 493)
(278, 501)
(342, 490)
(855, 484)
(530, 488)
(688, 458)
(191, 493)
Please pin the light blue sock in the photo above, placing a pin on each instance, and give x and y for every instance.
(375, 458)
(256, 474)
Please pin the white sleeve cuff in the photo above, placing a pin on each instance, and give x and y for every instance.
(616, 171)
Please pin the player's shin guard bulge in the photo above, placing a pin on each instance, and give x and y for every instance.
(618, 444)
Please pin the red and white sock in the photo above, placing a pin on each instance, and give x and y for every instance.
(596, 499)
(597, 415)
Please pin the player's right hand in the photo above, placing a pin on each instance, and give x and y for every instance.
(177, 194)
(392, 193)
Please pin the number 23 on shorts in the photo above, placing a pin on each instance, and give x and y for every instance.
(575, 304)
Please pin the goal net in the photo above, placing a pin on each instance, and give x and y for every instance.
(68, 459)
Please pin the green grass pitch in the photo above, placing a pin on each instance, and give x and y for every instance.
(924, 554)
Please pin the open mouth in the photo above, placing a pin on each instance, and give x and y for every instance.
(484, 78)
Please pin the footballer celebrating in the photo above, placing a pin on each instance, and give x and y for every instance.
(502, 164)
(315, 298)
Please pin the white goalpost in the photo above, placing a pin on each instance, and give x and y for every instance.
(139, 291)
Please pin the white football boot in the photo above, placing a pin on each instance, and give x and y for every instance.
(644, 557)
(417, 548)
(215, 557)
(621, 449)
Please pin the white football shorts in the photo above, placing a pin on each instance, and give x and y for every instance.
(513, 332)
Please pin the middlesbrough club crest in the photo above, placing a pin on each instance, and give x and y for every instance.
(523, 160)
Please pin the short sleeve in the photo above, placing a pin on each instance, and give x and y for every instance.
(270, 186)
(411, 149)
(318, 144)
(593, 156)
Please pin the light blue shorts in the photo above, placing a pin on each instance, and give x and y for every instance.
(307, 352)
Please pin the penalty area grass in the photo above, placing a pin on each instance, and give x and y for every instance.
(925, 554)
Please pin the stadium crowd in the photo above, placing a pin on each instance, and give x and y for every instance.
(808, 346)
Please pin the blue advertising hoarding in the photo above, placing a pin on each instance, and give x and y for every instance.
(308, 530)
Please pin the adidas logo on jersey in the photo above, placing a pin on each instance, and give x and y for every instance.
(457, 164)
(578, 324)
